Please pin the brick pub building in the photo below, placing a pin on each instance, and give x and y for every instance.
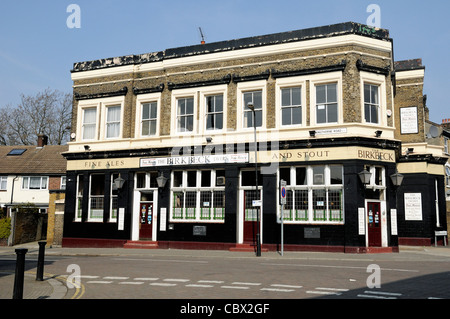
(162, 151)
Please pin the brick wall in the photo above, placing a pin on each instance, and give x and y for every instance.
(306, 59)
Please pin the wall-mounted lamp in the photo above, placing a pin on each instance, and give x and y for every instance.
(378, 133)
(209, 139)
(365, 177)
(87, 148)
(161, 180)
(397, 179)
(118, 182)
(409, 151)
(312, 133)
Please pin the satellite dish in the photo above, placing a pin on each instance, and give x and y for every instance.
(434, 132)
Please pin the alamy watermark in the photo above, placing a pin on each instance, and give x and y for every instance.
(374, 20)
(374, 280)
(74, 19)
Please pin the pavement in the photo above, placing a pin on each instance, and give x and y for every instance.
(54, 287)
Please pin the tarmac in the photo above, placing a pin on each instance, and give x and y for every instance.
(54, 287)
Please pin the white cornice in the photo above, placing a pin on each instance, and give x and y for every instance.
(323, 43)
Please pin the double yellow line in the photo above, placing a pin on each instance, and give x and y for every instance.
(79, 287)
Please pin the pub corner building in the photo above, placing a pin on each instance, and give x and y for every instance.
(163, 147)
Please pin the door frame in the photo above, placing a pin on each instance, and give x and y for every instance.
(383, 221)
(136, 214)
(241, 220)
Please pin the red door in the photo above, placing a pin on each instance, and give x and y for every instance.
(250, 216)
(146, 213)
(374, 224)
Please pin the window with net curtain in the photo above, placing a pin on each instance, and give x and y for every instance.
(113, 121)
(89, 123)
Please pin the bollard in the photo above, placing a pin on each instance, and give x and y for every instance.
(40, 265)
(20, 270)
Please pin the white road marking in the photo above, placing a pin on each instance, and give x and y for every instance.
(146, 279)
(323, 292)
(375, 296)
(341, 267)
(234, 287)
(247, 283)
(162, 284)
(277, 289)
(99, 282)
(115, 278)
(199, 286)
(286, 286)
(177, 280)
(331, 289)
(88, 277)
(211, 281)
(131, 283)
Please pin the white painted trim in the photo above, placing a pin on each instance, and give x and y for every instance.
(277, 49)
(411, 74)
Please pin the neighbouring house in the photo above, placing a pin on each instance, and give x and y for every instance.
(27, 176)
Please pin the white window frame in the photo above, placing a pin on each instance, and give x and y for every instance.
(99, 219)
(184, 94)
(63, 182)
(198, 189)
(82, 109)
(3, 181)
(41, 187)
(244, 87)
(290, 82)
(322, 79)
(204, 94)
(101, 116)
(111, 102)
(310, 187)
(140, 101)
(380, 81)
(79, 198)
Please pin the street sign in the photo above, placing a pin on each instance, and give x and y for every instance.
(257, 203)
(282, 192)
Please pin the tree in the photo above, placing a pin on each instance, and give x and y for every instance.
(48, 112)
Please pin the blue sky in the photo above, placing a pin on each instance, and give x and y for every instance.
(37, 49)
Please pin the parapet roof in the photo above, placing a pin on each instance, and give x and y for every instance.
(237, 44)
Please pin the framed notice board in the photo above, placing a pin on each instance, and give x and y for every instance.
(409, 121)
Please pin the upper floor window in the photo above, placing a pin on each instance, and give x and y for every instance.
(291, 106)
(35, 182)
(371, 103)
(254, 97)
(149, 119)
(89, 125)
(326, 103)
(185, 114)
(113, 121)
(214, 112)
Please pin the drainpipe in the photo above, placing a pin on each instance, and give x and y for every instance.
(13, 217)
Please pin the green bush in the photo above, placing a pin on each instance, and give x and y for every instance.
(5, 228)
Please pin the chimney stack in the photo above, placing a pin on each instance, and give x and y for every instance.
(42, 140)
